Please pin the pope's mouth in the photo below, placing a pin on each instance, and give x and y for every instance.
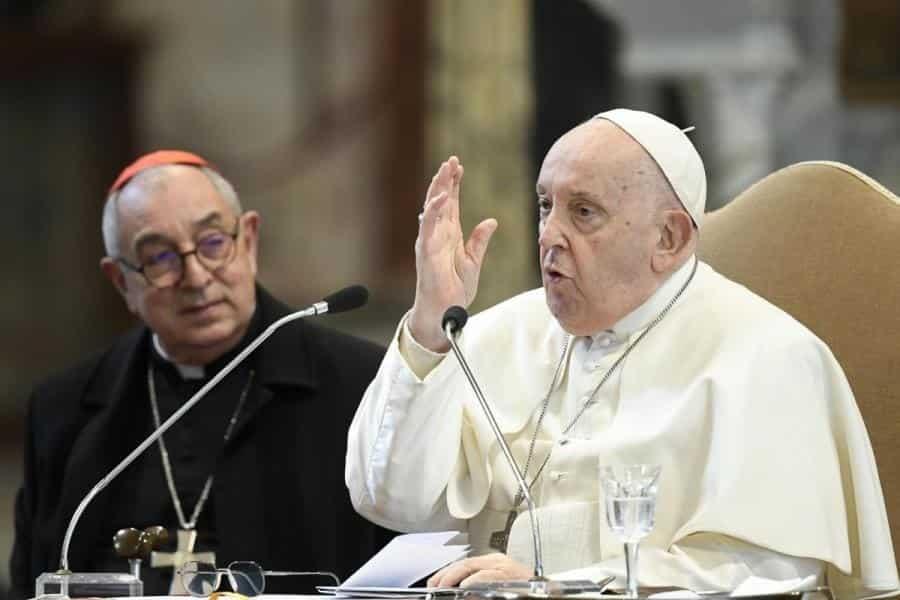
(553, 275)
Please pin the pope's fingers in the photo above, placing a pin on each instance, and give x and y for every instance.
(440, 578)
(444, 178)
(435, 579)
(484, 576)
(456, 175)
(477, 245)
(454, 171)
(454, 168)
(437, 198)
(433, 213)
(452, 574)
(439, 182)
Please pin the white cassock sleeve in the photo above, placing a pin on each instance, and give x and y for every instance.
(402, 447)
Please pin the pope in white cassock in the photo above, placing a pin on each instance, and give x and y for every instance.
(633, 352)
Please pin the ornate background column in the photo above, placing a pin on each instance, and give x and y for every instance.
(480, 106)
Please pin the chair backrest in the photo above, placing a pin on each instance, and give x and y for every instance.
(822, 241)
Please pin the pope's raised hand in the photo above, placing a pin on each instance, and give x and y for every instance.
(447, 265)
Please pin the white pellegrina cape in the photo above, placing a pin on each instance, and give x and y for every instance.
(748, 412)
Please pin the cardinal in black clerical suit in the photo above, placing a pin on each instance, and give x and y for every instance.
(273, 492)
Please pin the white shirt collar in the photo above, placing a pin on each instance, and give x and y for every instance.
(644, 314)
(186, 371)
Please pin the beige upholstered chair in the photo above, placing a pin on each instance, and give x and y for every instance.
(822, 241)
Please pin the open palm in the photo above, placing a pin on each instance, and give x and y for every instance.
(447, 266)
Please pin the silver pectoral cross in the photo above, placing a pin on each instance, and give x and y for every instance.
(184, 553)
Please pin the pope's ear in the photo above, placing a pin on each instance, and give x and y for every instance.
(676, 236)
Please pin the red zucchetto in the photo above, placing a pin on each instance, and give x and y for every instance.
(157, 159)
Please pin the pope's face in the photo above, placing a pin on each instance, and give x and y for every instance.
(207, 312)
(598, 228)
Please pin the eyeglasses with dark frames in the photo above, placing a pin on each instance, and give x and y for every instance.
(166, 268)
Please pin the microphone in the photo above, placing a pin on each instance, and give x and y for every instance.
(456, 317)
(538, 586)
(348, 298)
(454, 320)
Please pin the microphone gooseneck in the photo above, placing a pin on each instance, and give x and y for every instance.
(454, 320)
(345, 299)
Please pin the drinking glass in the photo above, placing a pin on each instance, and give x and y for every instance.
(630, 497)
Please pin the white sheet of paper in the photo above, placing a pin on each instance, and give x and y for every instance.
(407, 559)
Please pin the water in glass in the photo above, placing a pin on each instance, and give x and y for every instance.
(631, 519)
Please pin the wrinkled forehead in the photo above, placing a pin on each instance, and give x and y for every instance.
(594, 151)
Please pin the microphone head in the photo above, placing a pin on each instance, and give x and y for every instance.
(348, 298)
(456, 316)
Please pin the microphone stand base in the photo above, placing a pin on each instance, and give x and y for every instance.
(62, 585)
(534, 588)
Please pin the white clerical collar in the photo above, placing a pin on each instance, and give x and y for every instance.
(644, 314)
(186, 371)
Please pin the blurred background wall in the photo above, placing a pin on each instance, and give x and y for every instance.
(330, 116)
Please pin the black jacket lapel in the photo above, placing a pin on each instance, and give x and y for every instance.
(284, 374)
(282, 363)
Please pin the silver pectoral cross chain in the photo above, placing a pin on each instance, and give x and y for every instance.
(500, 539)
(187, 534)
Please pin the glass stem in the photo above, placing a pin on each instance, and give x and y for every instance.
(631, 566)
